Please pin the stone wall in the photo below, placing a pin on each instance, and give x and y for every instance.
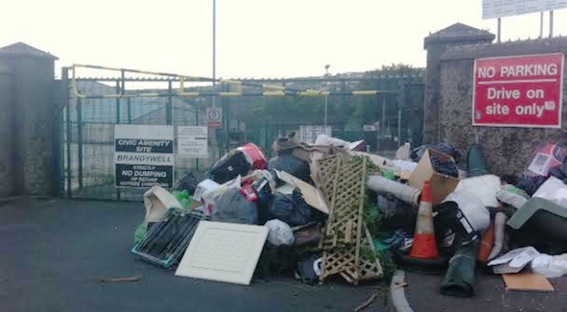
(508, 150)
(27, 122)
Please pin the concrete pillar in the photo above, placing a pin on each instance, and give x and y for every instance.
(33, 117)
(7, 156)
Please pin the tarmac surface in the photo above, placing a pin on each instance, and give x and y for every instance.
(422, 294)
(53, 254)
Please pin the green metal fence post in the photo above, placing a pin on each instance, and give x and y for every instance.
(226, 119)
(80, 140)
(196, 108)
(117, 105)
(169, 104)
(129, 109)
(68, 144)
(60, 102)
(120, 85)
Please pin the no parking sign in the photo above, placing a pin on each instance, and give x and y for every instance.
(214, 117)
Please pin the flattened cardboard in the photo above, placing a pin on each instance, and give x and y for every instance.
(441, 185)
(312, 196)
(527, 282)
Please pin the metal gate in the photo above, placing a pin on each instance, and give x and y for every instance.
(97, 104)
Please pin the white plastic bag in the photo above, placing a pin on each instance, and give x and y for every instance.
(550, 266)
(209, 197)
(553, 190)
(280, 233)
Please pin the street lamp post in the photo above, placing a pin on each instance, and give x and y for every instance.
(326, 96)
(326, 103)
(214, 44)
(213, 133)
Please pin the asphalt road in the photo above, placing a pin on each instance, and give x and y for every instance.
(422, 293)
(53, 254)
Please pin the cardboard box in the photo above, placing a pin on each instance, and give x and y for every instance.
(441, 185)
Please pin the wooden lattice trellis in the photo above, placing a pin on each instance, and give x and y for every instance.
(369, 266)
(345, 216)
(325, 176)
(346, 234)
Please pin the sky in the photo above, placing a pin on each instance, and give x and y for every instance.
(254, 38)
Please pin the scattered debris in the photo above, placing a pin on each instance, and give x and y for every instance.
(331, 209)
(402, 285)
(365, 303)
(135, 278)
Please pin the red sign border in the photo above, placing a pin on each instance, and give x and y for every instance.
(556, 126)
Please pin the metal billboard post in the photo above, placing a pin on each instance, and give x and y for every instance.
(499, 30)
(550, 24)
(540, 24)
(213, 99)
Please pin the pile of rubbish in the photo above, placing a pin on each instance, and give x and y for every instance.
(330, 209)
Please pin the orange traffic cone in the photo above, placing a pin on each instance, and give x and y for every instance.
(424, 244)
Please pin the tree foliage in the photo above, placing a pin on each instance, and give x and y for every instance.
(352, 111)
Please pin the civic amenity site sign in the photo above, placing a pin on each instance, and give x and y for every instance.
(518, 91)
(143, 156)
(502, 8)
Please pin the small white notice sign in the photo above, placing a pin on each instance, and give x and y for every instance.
(192, 141)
